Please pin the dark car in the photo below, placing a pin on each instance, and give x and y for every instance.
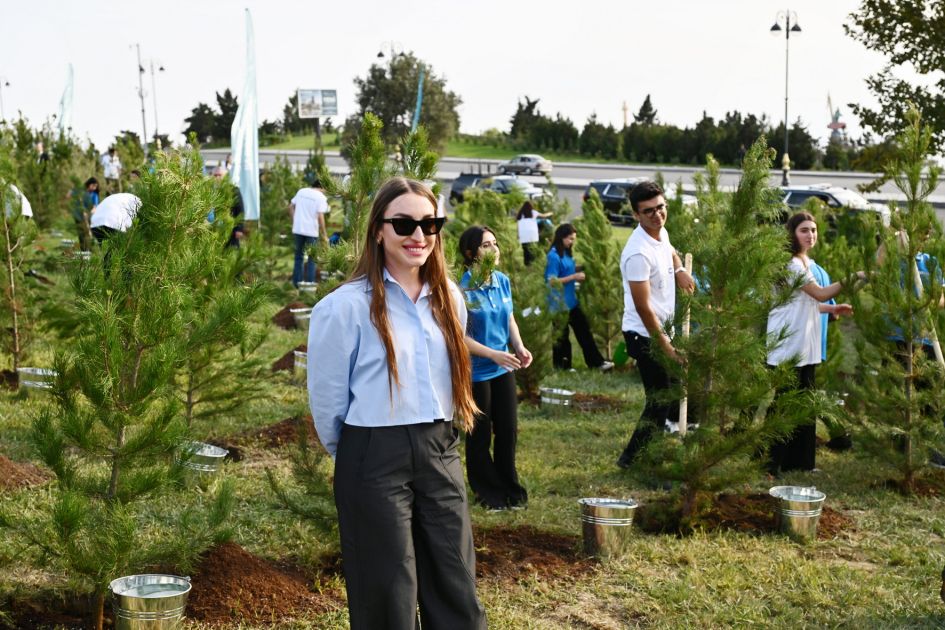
(614, 194)
(461, 183)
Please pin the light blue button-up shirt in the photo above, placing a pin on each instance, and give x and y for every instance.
(347, 364)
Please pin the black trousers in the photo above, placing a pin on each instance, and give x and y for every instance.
(405, 531)
(561, 353)
(656, 384)
(492, 476)
(528, 253)
(799, 450)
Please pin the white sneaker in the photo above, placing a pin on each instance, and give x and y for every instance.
(671, 427)
(606, 366)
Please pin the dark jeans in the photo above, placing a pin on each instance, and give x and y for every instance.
(656, 384)
(799, 450)
(528, 252)
(405, 530)
(302, 243)
(561, 353)
(493, 477)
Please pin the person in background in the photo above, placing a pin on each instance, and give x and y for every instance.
(114, 214)
(307, 209)
(388, 369)
(490, 333)
(799, 320)
(111, 166)
(562, 274)
(528, 230)
(236, 208)
(83, 203)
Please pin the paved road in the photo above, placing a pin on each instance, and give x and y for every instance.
(572, 178)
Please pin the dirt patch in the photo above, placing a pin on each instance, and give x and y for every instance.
(513, 553)
(285, 319)
(9, 380)
(931, 483)
(284, 432)
(51, 611)
(16, 475)
(749, 513)
(287, 361)
(232, 585)
(596, 402)
(234, 453)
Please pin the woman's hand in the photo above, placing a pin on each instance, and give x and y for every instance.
(506, 359)
(842, 309)
(579, 276)
(524, 356)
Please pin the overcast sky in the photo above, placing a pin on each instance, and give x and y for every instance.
(577, 57)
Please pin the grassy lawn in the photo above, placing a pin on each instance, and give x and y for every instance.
(329, 142)
(884, 572)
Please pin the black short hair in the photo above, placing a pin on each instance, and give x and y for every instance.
(91, 181)
(470, 241)
(644, 191)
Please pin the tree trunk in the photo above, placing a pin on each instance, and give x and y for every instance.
(15, 350)
(98, 611)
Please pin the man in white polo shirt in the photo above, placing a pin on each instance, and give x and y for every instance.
(307, 210)
(651, 272)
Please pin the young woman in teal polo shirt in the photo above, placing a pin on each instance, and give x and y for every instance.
(490, 331)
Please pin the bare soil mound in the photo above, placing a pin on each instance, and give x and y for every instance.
(596, 402)
(232, 585)
(283, 432)
(513, 553)
(285, 319)
(749, 513)
(16, 475)
(287, 361)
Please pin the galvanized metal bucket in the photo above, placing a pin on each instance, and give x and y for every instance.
(798, 510)
(202, 458)
(300, 371)
(309, 287)
(556, 396)
(36, 378)
(606, 525)
(302, 316)
(149, 601)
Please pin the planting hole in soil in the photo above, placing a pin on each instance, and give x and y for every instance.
(514, 553)
(285, 319)
(16, 475)
(287, 361)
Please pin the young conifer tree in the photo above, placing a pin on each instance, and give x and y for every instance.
(740, 264)
(602, 290)
(17, 233)
(900, 387)
(111, 434)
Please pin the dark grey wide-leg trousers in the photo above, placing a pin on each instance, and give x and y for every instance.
(405, 529)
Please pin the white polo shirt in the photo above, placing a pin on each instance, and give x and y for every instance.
(309, 203)
(645, 258)
(116, 212)
(111, 166)
(800, 319)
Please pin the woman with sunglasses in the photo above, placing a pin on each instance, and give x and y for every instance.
(562, 274)
(489, 333)
(388, 367)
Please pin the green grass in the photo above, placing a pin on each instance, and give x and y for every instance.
(329, 143)
(885, 573)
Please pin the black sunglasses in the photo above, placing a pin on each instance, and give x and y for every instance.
(649, 211)
(404, 226)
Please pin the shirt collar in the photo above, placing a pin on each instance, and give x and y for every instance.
(424, 290)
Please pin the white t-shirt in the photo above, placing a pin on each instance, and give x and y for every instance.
(115, 211)
(800, 319)
(309, 203)
(26, 209)
(111, 166)
(528, 230)
(645, 258)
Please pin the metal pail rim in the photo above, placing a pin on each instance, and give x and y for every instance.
(606, 502)
(797, 494)
(128, 582)
(557, 391)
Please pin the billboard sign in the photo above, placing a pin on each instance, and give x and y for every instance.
(317, 103)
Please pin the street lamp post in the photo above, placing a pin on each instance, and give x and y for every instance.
(789, 19)
(154, 96)
(3, 83)
(144, 124)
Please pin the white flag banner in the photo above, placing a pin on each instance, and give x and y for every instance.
(65, 104)
(244, 135)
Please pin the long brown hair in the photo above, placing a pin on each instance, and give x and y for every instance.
(434, 272)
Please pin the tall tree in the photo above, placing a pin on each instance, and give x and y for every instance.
(647, 113)
(228, 105)
(202, 122)
(911, 33)
(389, 91)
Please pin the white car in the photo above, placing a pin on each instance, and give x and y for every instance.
(527, 164)
(833, 197)
(505, 184)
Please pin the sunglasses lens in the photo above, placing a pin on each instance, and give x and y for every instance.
(406, 227)
(432, 226)
(403, 227)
